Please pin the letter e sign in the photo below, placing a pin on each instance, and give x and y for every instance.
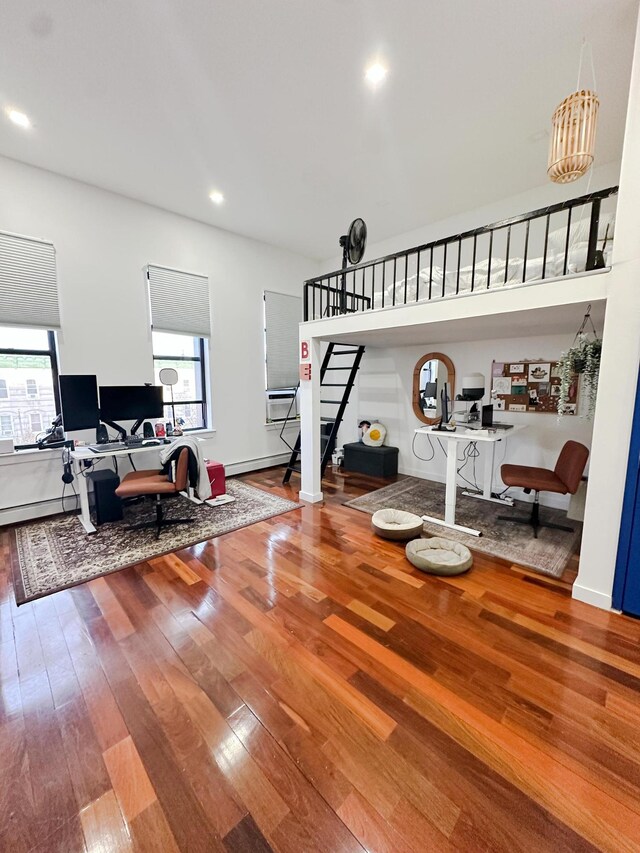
(305, 371)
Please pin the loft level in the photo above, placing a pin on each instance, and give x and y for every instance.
(574, 236)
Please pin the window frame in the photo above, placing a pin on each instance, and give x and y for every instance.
(53, 360)
(196, 359)
(288, 392)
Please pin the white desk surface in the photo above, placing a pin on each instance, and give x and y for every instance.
(464, 434)
(83, 451)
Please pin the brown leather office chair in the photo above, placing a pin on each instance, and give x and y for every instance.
(564, 479)
(157, 484)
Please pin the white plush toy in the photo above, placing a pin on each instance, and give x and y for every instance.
(375, 435)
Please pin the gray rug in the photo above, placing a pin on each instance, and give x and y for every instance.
(56, 553)
(549, 554)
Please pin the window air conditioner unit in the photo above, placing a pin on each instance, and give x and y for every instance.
(280, 404)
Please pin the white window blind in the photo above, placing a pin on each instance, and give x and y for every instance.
(282, 315)
(179, 302)
(28, 287)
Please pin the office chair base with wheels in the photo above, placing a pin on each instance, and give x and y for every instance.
(160, 521)
(534, 518)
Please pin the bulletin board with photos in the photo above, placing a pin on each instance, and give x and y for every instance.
(530, 386)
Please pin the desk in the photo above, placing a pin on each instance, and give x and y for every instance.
(453, 439)
(82, 454)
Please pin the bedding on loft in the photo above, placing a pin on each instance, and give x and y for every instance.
(500, 272)
(556, 241)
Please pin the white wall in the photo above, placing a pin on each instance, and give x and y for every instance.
(386, 386)
(618, 375)
(547, 193)
(103, 242)
(601, 177)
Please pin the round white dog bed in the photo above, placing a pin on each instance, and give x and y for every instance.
(396, 524)
(439, 556)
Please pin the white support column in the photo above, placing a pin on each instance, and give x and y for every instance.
(311, 481)
(618, 375)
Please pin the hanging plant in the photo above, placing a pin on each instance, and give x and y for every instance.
(582, 359)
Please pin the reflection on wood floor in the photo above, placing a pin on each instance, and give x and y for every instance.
(295, 686)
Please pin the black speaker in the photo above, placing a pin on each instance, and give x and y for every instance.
(147, 430)
(102, 436)
(108, 506)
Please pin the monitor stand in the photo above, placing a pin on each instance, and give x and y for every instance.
(137, 426)
(119, 429)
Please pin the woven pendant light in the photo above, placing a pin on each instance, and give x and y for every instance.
(573, 137)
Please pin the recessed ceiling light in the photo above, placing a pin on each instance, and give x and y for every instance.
(375, 73)
(21, 119)
(216, 197)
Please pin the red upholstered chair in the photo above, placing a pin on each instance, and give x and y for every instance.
(157, 485)
(564, 479)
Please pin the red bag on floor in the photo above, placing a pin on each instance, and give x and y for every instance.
(215, 470)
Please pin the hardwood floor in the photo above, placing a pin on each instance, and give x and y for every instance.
(294, 686)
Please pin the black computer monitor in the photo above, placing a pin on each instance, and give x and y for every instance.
(445, 405)
(79, 402)
(130, 402)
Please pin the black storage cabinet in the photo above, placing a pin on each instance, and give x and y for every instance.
(108, 506)
(375, 461)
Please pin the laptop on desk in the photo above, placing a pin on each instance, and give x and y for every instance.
(489, 423)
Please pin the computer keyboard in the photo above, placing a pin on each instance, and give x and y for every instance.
(127, 444)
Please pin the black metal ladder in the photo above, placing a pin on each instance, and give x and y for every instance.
(335, 360)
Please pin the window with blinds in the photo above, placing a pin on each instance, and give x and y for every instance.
(28, 285)
(282, 314)
(179, 302)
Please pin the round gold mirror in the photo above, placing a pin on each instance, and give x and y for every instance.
(429, 377)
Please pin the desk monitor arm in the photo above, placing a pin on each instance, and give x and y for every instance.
(119, 429)
(137, 426)
(54, 436)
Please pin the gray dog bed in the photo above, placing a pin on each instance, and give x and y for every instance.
(439, 556)
(396, 524)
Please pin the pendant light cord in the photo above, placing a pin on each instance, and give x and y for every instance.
(583, 46)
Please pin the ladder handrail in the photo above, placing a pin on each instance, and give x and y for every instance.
(336, 421)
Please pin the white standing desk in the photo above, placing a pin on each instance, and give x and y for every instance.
(453, 439)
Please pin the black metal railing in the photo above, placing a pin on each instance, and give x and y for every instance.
(554, 241)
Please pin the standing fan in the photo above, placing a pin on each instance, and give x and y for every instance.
(354, 243)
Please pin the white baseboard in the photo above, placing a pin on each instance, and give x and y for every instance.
(591, 596)
(311, 498)
(40, 509)
(550, 500)
(245, 467)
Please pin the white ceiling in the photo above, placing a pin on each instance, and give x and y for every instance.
(165, 100)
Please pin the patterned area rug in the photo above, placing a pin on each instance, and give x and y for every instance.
(549, 554)
(57, 553)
